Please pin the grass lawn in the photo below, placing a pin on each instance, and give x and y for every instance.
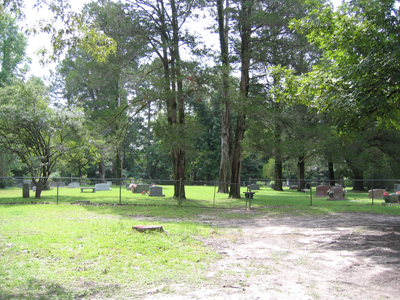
(197, 196)
(66, 251)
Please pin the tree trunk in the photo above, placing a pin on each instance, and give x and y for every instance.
(148, 167)
(278, 174)
(40, 186)
(301, 173)
(180, 154)
(226, 120)
(119, 167)
(234, 191)
(331, 174)
(245, 36)
(278, 158)
(102, 171)
(79, 171)
(358, 184)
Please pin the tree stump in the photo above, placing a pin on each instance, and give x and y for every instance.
(144, 228)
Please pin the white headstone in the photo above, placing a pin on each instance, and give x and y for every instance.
(102, 187)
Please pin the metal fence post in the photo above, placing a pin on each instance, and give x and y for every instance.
(250, 195)
(372, 191)
(215, 187)
(180, 190)
(58, 183)
(120, 188)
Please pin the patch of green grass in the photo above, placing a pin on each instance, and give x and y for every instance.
(201, 198)
(69, 251)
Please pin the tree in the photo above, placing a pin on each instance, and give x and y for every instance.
(37, 134)
(162, 23)
(270, 42)
(358, 76)
(244, 25)
(101, 86)
(12, 44)
(226, 118)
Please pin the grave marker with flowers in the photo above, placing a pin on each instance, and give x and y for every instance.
(394, 198)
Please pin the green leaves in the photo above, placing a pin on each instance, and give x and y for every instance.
(32, 130)
(77, 31)
(358, 74)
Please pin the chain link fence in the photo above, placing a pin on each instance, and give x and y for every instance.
(203, 194)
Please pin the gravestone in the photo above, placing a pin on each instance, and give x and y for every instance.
(394, 198)
(57, 183)
(102, 187)
(25, 188)
(322, 190)
(377, 193)
(140, 188)
(73, 185)
(337, 193)
(156, 191)
(396, 187)
(254, 186)
(293, 187)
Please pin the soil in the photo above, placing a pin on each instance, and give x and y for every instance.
(335, 256)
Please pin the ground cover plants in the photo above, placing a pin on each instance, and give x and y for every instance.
(207, 197)
(69, 250)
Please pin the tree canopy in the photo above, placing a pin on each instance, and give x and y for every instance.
(357, 78)
(299, 89)
(33, 131)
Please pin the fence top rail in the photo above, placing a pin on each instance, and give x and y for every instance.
(199, 182)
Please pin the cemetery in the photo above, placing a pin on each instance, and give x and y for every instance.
(139, 217)
(190, 150)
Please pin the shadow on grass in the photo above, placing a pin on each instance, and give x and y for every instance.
(41, 289)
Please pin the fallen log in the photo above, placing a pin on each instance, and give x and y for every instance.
(143, 228)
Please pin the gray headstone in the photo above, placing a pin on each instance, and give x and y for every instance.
(394, 198)
(156, 191)
(140, 188)
(57, 183)
(73, 185)
(25, 189)
(254, 186)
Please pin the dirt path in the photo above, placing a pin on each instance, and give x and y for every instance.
(343, 256)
